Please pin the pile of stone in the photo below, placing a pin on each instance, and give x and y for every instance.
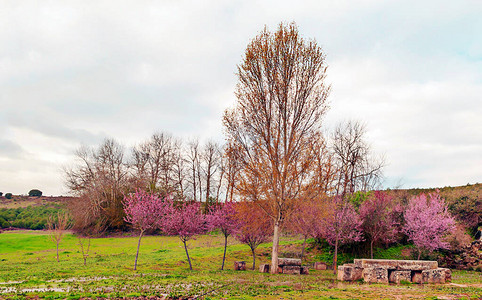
(287, 266)
(466, 258)
(396, 271)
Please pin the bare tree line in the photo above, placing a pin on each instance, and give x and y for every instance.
(205, 172)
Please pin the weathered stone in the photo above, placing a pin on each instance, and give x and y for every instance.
(448, 274)
(375, 275)
(291, 270)
(398, 276)
(319, 266)
(349, 272)
(305, 270)
(289, 262)
(417, 277)
(434, 276)
(240, 266)
(264, 268)
(396, 264)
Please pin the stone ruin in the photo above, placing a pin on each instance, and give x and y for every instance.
(396, 271)
(286, 266)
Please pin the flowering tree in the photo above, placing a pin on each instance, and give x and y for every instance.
(306, 221)
(379, 220)
(427, 222)
(145, 211)
(224, 218)
(342, 226)
(185, 221)
(254, 227)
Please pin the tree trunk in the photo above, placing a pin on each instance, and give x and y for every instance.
(187, 254)
(58, 260)
(254, 258)
(225, 246)
(371, 249)
(274, 253)
(138, 246)
(419, 253)
(303, 249)
(335, 257)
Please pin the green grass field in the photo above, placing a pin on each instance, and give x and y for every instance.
(28, 268)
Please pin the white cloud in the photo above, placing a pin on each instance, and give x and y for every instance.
(74, 72)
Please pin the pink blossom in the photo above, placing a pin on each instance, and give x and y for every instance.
(427, 222)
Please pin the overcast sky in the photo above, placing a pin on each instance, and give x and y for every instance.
(75, 72)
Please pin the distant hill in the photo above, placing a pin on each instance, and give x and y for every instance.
(18, 201)
(465, 202)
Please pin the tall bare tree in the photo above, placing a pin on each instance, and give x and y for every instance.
(357, 167)
(281, 98)
(99, 178)
(211, 166)
(154, 161)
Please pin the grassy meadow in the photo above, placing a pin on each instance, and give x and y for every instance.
(28, 269)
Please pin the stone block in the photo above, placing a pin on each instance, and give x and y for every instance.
(375, 275)
(434, 276)
(240, 266)
(349, 272)
(398, 276)
(417, 277)
(289, 262)
(415, 265)
(304, 270)
(320, 266)
(396, 264)
(292, 270)
(264, 268)
(448, 274)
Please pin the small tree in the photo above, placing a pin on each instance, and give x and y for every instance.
(35, 193)
(254, 227)
(8, 195)
(342, 226)
(57, 227)
(225, 219)
(1, 194)
(185, 221)
(145, 211)
(379, 222)
(427, 222)
(306, 221)
(84, 243)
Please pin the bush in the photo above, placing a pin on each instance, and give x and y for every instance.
(8, 195)
(1, 194)
(35, 193)
(32, 217)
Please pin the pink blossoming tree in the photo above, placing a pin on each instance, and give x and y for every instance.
(305, 220)
(224, 218)
(254, 228)
(379, 219)
(342, 226)
(186, 221)
(145, 211)
(427, 222)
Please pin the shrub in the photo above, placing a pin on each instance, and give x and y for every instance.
(1, 194)
(8, 195)
(35, 193)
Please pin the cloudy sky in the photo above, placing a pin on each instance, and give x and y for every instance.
(75, 72)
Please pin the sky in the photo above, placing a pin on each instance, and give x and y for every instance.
(75, 72)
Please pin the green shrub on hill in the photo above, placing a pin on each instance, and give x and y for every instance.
(32, 217)
(8, 195)
(35, 193)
